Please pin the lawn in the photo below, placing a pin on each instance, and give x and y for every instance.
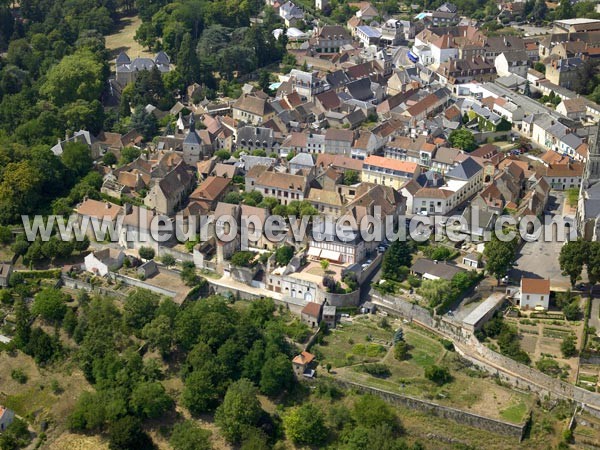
(514, 413)
(122, 40)
(361, 341)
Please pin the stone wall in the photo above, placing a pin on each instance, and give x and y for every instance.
(74, 283)
(457, 415)
(143, 285)
(339, 300)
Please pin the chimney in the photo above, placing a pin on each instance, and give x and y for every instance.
(128, 208)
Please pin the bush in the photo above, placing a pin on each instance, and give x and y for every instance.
(168, 260)
(19, 375)
(377, 370)
(568, 347)
(146, 252)
(401, 350)
(439, 375)
(243, 258)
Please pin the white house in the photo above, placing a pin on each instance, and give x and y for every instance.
(516, 62)
(103, 261)
(6, 417)
(535, 293)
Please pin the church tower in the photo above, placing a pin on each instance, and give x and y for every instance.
(192, 145)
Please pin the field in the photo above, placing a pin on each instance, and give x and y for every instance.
(470, 390)
(122, 39)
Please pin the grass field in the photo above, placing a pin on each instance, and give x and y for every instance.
(122, 39)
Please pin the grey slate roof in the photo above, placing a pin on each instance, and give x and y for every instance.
(438, 269)
(465, 170)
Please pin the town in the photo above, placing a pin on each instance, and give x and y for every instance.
(470, 130)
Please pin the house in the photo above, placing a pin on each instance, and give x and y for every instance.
(252, 109)
(460, 71)
(227, 245)
(148, 269)
(563, 176)
(211, 191)
(5, 272)
(290, 14)
(331, 38)
(329, 316)
(100, 262)
(472, 260)
(96, 210)
(252, 138)
(303, 365)
(127, 70)
(434, 270)
(327, 202)
(168, 193)
(300, 162)
(284, 187)
(388, 172)
(563, 72)
(573, 108)
(339, 142)
(368, 35)
(6, 417)
(307, 84)
(366, 11)
(83, 137)
(311, 314)
(534, 293)
(516, 62)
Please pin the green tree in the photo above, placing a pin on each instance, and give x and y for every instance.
(144, 122)
(146, 253)
(77, 76)
(463, 139)
(573, 256)
(187, 60)
(126, 433)
(49, 303)
(109, 159)
(371, 410)
(397, 255)
(564, 10)
(168, 260)
(435, 291)
(439, 375)
(351, 177)
(539, 11)
(15, 436)
(6, 236)
(70, 321)
(199, 394)
(500, 256)
(149, 400)
(77, 157)
(129, 154)
(305, 425)
(239, 411)
(568, 347)
(158, 333)
(188, 436)
(140, 308)
(277, 375)
(401, 350)
(284, 254)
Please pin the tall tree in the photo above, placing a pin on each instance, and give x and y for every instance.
(573, 256)
(500, 256)
(188, 63)
(239, 411)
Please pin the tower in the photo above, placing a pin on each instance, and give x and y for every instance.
(592, 168)
(192, 145)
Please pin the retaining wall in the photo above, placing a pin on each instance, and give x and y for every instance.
(457, 415)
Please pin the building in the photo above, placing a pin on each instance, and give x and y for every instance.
(307, 84)
(193, 148)
(331, 38)
(168, 193)
(563, 72)
(6, 417)
(434, 270)
(339, 142)
(103, 261)
(516, 62)
(534, 293)
(252, 109)
(368, 35)
(311, 314)
(588, 208)
(127, 70)
(303, 365)
(5, 272)
(388, 172)
(148, 269)
(284, 187)
(329, 316)
(291, 14)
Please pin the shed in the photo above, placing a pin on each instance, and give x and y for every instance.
(148, 269)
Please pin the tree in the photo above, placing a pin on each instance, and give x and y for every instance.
(573, 256)
(69, 322)
(144, 122)
(189, 275)
(572, 311)
(146, 253)
(539, 11)
(277, 375)
(264, 80)
(463, 139)
(129, 154)
(351, 177)
(199, 394)
(396, 256)
(371, 410)
(223, 155)
(564, 10)
(109, 159)
(435, 291)
(188, 436)
(188, 64)
(168, 260)
(593, 261)
(77, 157)
(77, 76)
(158, 333)
(126, 433)
(304, 425)
(243, 258)
(439, 375)
(284, 254)
(6, 236)
(15, 436)
(140, 308)
(568, 347)
(149, 400)
(49, 303)
(81, 245)
(500, 256)
(401, 350)
(240, 410)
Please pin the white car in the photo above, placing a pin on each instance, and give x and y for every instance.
(421, 213)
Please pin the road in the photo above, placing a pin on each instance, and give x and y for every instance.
(539, 259)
